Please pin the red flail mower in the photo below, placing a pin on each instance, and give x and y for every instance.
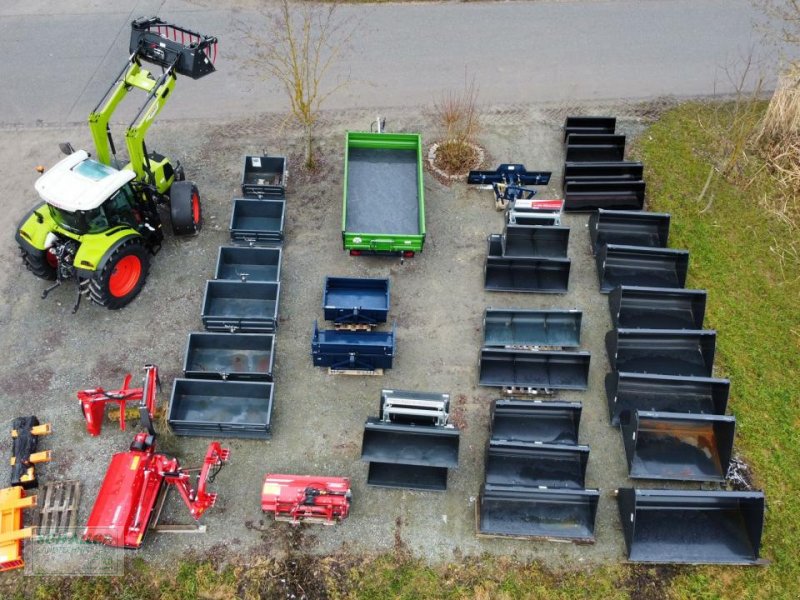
(93, 401)
(135, 483)
(297, 498)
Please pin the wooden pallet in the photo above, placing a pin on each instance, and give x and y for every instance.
(353, 326)
(363, 372)
(57, 511)
(526, 391)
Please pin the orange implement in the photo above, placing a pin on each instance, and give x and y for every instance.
(12, 501)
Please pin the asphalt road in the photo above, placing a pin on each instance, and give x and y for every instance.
(57, 59)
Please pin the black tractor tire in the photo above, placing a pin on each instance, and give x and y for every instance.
(39, 265)
(122, 277)
(185, 210)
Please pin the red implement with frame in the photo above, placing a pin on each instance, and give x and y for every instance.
(93, 401)
(125, 503)
(298, 498)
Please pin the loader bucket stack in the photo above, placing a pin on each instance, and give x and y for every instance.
(410, 445)
(535, 473)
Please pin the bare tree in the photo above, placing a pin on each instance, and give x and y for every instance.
(301, 44)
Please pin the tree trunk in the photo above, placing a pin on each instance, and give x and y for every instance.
(309, 150)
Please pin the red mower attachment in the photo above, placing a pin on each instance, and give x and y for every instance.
(296, 498)
(93, 402)
(135, 480)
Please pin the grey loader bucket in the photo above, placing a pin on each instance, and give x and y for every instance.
(248, 264)
(536, 421)
(411, 445)
(520, 327)
(538, 370)
(586, 196)
(629, 392)
(238, 306)
(678, 446)
(535, 240)
(693, 527)
(534, 513)
(628, 228)
(657, 308)
(662, 351)
(534, 275)
(536, 465)
(234, 356)
(641, 266)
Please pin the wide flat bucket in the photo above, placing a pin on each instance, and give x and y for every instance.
(641, 266)
(521, 327)
(536, 465)
(628, 228)
(691, 527)
(629, 392)
(587, 196)
(657, 308)
(533, 513)
(531, 275)
(541, 370)
(248, 264)
(602, 125)
(535, 241)
(602, 171)
(535, 421)
(662, 351)
(678, 446)
(594, 147)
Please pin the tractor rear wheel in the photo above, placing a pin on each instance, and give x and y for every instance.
(42, 266)
(185, 209)
(122, 277)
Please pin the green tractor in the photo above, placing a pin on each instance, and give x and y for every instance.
(98, 221)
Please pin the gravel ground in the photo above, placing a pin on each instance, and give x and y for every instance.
(437, 301)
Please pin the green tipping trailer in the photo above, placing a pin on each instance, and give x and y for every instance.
(384, 202)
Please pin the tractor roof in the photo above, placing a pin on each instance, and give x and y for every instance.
(79, 183)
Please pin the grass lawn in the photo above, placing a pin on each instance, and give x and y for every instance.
(740, 253)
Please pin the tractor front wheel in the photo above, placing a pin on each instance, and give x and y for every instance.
(185, 210)
(122, 277)
(43, 266)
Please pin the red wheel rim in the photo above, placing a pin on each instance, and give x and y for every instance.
(125, 276)
(51, 259)
(195, 208)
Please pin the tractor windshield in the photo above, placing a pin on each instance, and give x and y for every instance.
(80, 222)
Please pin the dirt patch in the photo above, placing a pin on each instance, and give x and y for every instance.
(650, 583)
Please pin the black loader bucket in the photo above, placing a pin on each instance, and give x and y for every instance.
(629, 392)
(628, 228)
(530, 328)
(535, 513)
(592, 147)
(536, 421)
(640, 266)
(692, 527)
(535, 241)
(678, 446)
(536, 465)
(602, 171)
(534, 369)
(589, 125)
(533, 275)
(657, 308)
(409, 456)
(662, 351)
(585, 196)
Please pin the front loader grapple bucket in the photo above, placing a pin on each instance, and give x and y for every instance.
(691, 527)
(657, 308)
(662, 351)
(641, 266)
(529, 464)
(629, 392)
(248, 264)
(602, 171)
(535, 421)
(409, 456)
(537, 370)
(530, 328)
(628, 228)
(602, 125)
(595, 147)
(535, 513)
(356, 300)
(586, 196)
(678, 446)
(532, 275)
(535, 241)
(164, 44)
(234, 356)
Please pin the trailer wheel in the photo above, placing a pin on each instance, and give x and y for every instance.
(122, 277)
(185, 209)
(43, 266)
